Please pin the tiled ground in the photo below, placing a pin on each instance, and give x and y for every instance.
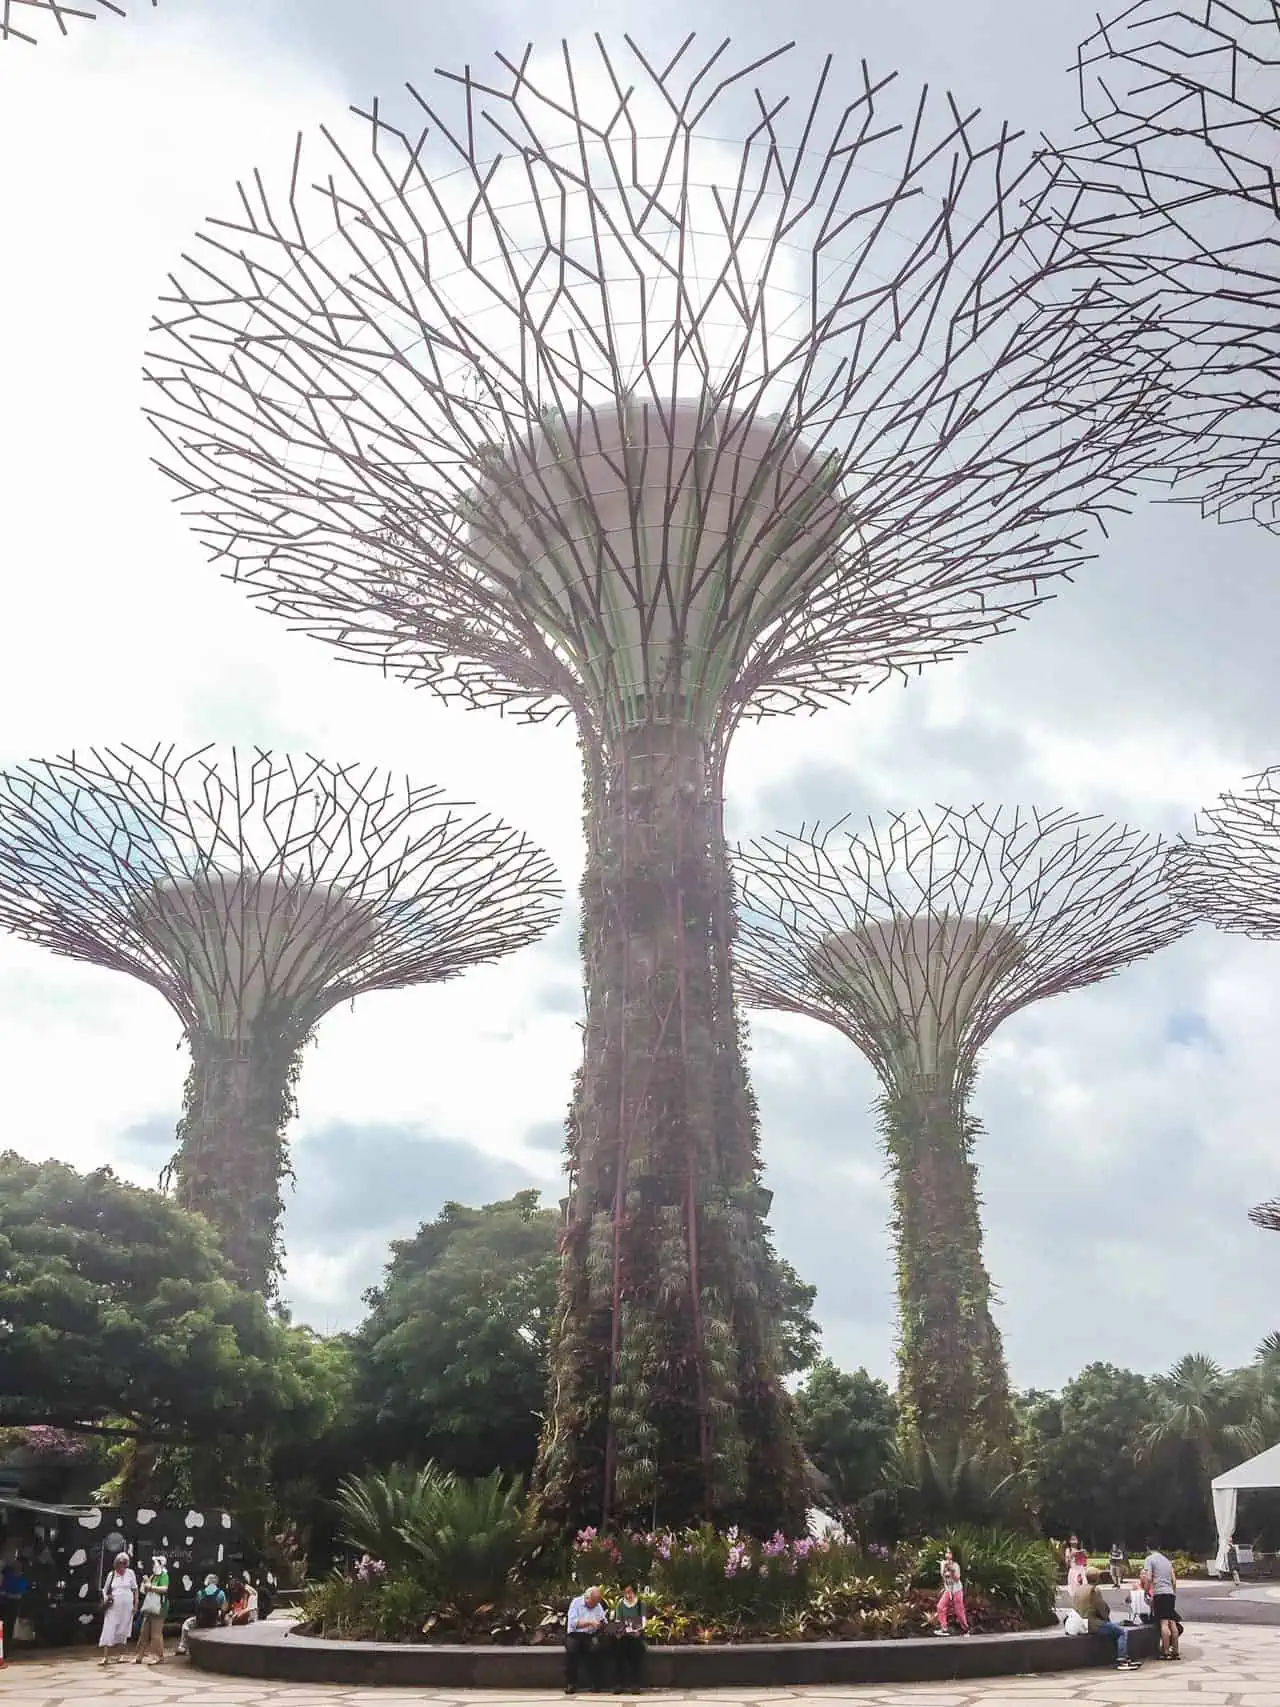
(1224, 1666)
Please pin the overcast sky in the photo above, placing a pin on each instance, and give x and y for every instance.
(1128, 1127)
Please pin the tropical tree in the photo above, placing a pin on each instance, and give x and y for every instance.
(118, 1316)
(1203, 1418)
(847, 1424)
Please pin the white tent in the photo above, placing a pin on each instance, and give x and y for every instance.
(1260, 1472)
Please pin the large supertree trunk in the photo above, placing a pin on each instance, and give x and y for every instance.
(953, 1383)
(666, 1405)
(232, 1153)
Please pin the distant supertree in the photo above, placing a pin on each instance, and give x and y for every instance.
(256, 892)
(1174, 196)
(19, 19)
(917, 941)
(1229, 874)
(559, 405)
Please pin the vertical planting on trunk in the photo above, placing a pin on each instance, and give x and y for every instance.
(953, 1384)
(232, 1150)
(665, 1400)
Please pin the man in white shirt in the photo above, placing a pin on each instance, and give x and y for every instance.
(584, 1634)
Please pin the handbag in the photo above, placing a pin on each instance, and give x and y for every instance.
(1075, 1625)
(152, 1605)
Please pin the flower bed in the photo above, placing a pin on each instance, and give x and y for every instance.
(700, 1586)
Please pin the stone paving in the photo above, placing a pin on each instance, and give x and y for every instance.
(1223, 1666)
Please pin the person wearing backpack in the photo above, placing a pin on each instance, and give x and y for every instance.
(210, 1607)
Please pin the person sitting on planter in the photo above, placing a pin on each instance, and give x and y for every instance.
(585, 1633)
(209, 1613)
(1090, 1604)
(628, 1641)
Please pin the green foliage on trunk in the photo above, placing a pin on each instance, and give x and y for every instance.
(665, 1402)
(233, 1153)
(953, 1385)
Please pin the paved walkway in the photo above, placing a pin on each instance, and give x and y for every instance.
(1223, 1666)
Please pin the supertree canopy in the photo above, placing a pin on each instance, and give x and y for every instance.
(256, 892)
(1229, 874)
(20, 19)
(917, 940)
(555, 401)
(1173, 193)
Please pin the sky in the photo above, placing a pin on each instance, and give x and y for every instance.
(1128, 1127)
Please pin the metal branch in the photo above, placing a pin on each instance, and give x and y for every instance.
(918, 939)
(1176, 198)
(1229, 873)
(550, 400)
(19, 19)
(253, 887)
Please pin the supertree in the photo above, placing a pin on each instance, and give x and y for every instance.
(555, 405)
(1172, 192)
(917, 940)
(1229, 874)
(20, 18)
(256, 892)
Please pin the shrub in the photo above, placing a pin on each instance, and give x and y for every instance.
(465, 1540)
(373, 1511)
(998, 1564)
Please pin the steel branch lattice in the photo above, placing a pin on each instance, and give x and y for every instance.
(1230, 873)
(245, 883)
(20, 18)
(918, 939)
(475, 403)
(1177, 168)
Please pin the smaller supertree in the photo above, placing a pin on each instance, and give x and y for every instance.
(917, 941)
(19, 19)
(256, 893)
(1230, 876)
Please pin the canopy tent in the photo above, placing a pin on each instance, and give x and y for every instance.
(1260, 1472)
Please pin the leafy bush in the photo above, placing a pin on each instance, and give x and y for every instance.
(373, 1511)
(997, 1564)
(465, 1540)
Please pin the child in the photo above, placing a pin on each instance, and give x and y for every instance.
(1139, 1605)
(951, 1600)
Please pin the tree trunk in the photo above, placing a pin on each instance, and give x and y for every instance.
(665, 1406)
(953, 1384)
(232, 1151)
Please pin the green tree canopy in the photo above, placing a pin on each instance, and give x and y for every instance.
(847, 1425)
(116, 1312)
(451, 1359)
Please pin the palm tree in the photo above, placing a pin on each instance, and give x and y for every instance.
(1204, 1417)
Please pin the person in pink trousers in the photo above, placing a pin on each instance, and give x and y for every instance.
(951, 1600)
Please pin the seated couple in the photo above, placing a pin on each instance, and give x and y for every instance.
(595, 1635)
(1090, 1612)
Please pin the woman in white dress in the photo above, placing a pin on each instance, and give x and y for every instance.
(120, 1603)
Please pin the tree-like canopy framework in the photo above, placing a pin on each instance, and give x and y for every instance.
(1175, 199)
(20, 19)
(917, 940)
(551, 399)
(1229, 872)
(255, 892)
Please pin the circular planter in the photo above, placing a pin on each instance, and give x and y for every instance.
(273, 1651)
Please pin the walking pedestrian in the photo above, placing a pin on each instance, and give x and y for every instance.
(119, 1603)
(951, 1600)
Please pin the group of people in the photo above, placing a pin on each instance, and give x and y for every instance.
(1152, 1600)
(126, 1602)
(607, 1643)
